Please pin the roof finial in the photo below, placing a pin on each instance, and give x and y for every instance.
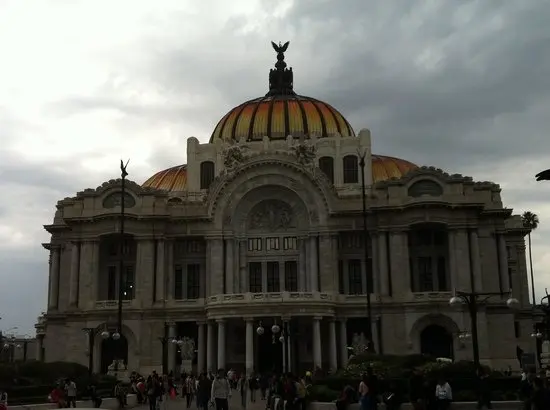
(281, 79)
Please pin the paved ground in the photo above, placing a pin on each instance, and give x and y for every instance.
(234, 404)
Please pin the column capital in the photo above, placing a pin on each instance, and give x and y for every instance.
(341, 319)
(249, 319)
(220, 321)
(202, 322)
(317, 318)
(171, 324)
(286, 318)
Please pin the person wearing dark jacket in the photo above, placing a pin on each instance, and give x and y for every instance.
(540, 399)
(483, 391)
(203, 391)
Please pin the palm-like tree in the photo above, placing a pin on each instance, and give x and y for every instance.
(530, 221)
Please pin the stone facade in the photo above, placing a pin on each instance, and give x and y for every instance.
(271, 240)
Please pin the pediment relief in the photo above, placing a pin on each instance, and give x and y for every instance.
(271, 215)
(436, 174)
(114, 184)
(114, 199)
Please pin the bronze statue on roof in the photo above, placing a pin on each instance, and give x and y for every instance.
(280, 79)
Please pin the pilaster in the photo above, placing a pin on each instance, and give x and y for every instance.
(53, 301)
(75, 266)
(145, 272)
(400, 265)
(214, 252)
(327, 263)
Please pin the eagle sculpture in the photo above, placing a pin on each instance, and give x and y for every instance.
(280, 48)
(543, 175)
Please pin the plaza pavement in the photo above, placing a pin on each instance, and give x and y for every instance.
(180, 404)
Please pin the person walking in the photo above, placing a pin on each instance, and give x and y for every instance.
(221, 391)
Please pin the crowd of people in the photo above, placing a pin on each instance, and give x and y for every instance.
(215, 390)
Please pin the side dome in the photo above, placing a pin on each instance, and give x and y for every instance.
(384, 168)
(171, 179)
(281, 112)
(277, 116)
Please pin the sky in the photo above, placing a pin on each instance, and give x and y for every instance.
(463, 86)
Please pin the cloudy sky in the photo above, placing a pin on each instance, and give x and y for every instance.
(464, 86)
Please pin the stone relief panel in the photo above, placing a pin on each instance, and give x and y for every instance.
(113, 200)
(271, 215)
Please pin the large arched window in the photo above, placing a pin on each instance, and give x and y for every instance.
(326, 164)
(207, 174)
(428, 252)
(351, 169)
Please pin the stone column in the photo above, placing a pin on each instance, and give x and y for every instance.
(333, 349)
(335, 256)
(171, 347)
(214, 254)
(249, 357)
(40, 348)
(452, 258)
(383, 263)
(243, 272)
(400, 264)
(313, 264)
(476, 262)
(171, 280)
(54, 278)
(221, 343)
(302, 263)
(75, 266)
(462, 259)
(288, 344)
(210, 361)
(503, 263)
(343, 342)
(285, 370)
(161, 278)
(317, 355)
(327, 263)
(229, 264)
(375, 266)
(145, 272)
(201, 346)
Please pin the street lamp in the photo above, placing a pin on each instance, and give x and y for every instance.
(362, 164)
(473, 300)
(542, 331)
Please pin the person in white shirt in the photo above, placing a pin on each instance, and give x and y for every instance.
(443, 395)
(70, 389)
(221, 391)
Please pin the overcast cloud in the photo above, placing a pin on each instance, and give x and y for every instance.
(464, 86)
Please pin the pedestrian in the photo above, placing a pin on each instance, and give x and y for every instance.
(221, 391)
(70, 389)
(443, 394)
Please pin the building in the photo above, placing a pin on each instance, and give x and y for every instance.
(264, 226)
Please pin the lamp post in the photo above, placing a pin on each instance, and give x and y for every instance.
(276, 335)
(118, 333)
(543, 331)
(472, 300)
(90, 332)
(362, 164)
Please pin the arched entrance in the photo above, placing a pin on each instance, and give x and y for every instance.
(113, 349)
(436, 341)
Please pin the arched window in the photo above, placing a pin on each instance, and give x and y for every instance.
(428, 252)
(207, 174)
(326, 164)
(351, 169)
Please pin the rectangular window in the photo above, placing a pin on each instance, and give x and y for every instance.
(273, 278)
(425, 274)
(255, 244)
(442, 283)
(128, 282)
(272, 244)
(291, 276)
(255, 277)
(341, 280)
(355, 277)
(178, 282)
(193, 280)
(517, 330)
(351, 169)
(370, 280)
(290, 243)
(111, 283)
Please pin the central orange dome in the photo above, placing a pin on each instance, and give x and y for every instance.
(277, 116)
(281, 112)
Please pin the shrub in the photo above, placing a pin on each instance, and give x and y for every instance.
(323, 393)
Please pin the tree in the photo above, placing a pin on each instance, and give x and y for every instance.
(530, 221)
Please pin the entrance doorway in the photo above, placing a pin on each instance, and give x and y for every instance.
(113, 349)
(270, 354)
(436, 341)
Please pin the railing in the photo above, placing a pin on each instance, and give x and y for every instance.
(111, 304)
(273, 297)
